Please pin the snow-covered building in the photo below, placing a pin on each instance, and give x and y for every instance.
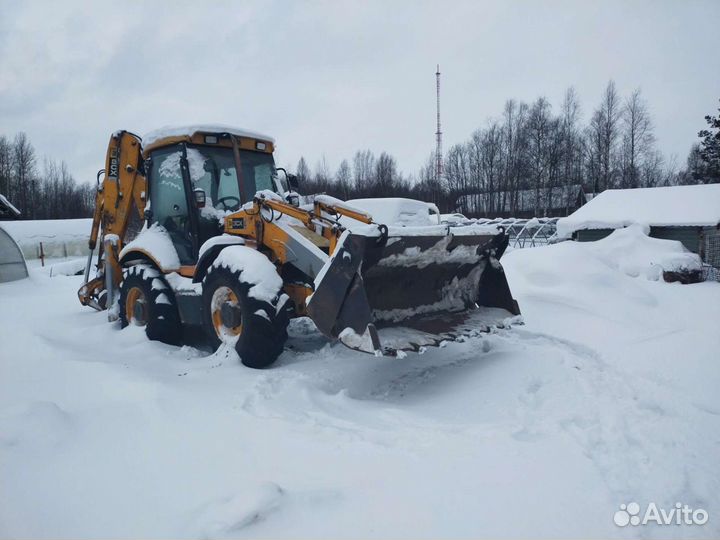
(525, 203)
(7, 210)
(689, 214)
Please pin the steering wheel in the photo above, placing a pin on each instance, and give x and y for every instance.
(227, 206)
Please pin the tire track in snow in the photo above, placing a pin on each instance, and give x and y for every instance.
(623, 427)
(360, 400)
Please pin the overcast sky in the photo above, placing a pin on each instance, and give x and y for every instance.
(329, 78)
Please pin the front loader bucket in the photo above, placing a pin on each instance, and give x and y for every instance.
(407, 291)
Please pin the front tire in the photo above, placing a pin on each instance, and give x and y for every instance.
(147, 300)
(250, 316)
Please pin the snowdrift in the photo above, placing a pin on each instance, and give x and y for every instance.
(629, 251)
(606, 297)
(632, 252)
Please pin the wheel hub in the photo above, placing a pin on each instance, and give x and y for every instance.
(136, 307)
(226, 314)
(139, 310)
(230, 314)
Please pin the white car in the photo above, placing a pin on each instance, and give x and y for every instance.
(398, 212)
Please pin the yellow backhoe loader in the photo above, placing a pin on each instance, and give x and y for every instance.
(196, 227)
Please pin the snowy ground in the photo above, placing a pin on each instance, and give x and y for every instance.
(607, 395)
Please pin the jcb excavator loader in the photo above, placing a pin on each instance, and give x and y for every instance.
(196, 227)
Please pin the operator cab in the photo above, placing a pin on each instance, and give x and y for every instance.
(196, 176)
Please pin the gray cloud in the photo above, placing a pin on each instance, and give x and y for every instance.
(329, 78)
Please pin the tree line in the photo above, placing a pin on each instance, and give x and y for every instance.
(531, 149)
(41, 189)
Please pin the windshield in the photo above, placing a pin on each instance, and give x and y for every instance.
(213, 170)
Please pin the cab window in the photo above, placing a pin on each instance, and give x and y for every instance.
(212, 169)
(168, 200)
(258, 171)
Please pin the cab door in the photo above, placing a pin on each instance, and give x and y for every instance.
(169, 200)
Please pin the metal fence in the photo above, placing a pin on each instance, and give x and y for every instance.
(525, 233)
(711, 255)
(47, 247)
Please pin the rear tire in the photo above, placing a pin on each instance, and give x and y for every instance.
(147, 300)
(232, 315)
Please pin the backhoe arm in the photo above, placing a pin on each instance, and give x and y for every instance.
(120, 196)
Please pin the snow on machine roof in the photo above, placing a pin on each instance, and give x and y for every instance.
(169, 132)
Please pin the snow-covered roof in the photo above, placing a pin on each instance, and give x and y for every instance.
(675, 205)
(8, 205)
(33, 231)
(180, 131)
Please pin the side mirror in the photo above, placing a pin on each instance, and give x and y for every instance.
(199, 195)
(293, 182)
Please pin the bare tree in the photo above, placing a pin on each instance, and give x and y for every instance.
(638, 139)
(457, 176)
(572, 146)
(303, 171)
(652, 171)
(70, 192)
(603, 134)
(6, 167)
(24, 172)
(343, 178)
(430, 188)
(363, 170)
(491, 164)
(322, 177)
(539, 129)
(385, 174)
(476, 179)
(51, 192)
(515, 145)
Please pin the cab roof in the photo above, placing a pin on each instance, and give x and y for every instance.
(172, 134)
